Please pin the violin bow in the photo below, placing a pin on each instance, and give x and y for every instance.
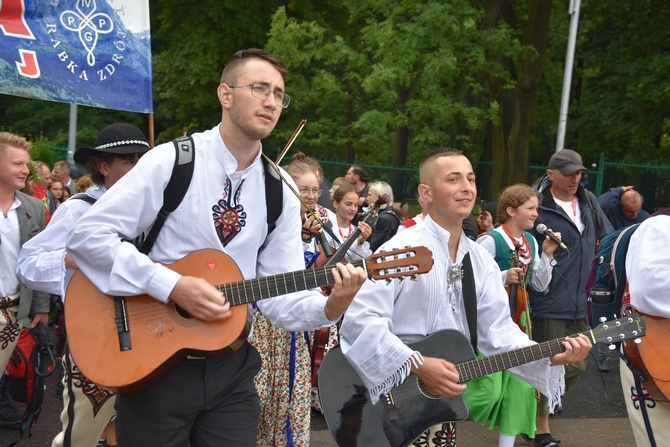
(310, 211)
(296, 132)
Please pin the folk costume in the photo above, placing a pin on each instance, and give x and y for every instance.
(384, 317)
(229, 217)
(283, 383)
(23, 221)
(87, 407)
(502, 399)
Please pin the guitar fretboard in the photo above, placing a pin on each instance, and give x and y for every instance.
(480, 367)
(252, 290)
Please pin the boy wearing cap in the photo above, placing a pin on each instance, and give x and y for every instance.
(45, 265)
(565, 207)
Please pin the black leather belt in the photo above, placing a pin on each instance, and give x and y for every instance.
(8, 304)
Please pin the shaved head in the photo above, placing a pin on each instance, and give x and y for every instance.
(427, 166)
(631, 204)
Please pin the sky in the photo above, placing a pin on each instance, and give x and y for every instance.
(133, 13)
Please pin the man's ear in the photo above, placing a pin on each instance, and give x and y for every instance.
(224, 94)
(103, 168)
(425, 192)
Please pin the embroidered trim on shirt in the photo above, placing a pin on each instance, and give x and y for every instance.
(229, 215)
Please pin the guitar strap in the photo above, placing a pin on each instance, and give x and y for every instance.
(470, 299)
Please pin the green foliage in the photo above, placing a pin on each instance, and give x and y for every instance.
(383, 80)
(40, 149)
(621, 108)
(402, 65)
(192, 42)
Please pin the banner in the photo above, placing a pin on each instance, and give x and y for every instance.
(89, 52)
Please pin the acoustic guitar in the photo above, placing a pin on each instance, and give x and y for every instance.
(410, 408)
(652, 358)
(126, 342)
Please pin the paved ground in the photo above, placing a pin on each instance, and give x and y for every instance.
(593, 415)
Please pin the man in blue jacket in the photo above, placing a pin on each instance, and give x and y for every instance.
(622, 206)
(565, 207)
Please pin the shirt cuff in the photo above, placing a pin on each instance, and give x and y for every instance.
(162, 283)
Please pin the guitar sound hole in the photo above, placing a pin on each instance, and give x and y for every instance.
(426, 391)
(182, 313)
(181, 316)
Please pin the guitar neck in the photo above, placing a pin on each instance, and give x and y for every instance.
(251, 290)
(344, 248)
(480, 367)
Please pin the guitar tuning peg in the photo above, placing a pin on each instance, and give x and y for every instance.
(414, 277)
(638, 340)
(602, 319)
(611, 347)
(388, 281)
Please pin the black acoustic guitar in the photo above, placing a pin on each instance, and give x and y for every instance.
(409, 409)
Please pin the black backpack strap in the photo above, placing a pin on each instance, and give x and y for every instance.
(470, 299)
(84, 197)
(174, 193)
(274, 193)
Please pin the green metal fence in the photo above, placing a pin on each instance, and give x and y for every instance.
(648, 180)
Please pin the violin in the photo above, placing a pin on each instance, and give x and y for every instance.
(338, 255)
(519, 302)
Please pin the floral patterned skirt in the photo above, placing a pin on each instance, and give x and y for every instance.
(283, 385)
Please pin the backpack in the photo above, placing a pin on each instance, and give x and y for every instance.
(180, 179)
(31, 362)
(607, 279)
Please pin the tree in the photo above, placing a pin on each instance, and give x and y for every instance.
(192, 42)
(621, 108)
(396, 85)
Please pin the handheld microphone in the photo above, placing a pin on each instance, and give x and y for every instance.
(327, 251)
(542, 229)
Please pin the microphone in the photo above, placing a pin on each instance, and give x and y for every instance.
(542, 229)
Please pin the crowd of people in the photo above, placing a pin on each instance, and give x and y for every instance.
(529, 283)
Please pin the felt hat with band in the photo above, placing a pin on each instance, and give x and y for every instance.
(119, 139)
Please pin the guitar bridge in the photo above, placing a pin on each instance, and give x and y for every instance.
(121, 318)
(389, 406)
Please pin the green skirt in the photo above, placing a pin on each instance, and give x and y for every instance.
(504, 401)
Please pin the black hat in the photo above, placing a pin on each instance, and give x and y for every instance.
(119, 138)
(567, 161)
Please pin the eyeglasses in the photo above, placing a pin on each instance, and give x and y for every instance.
(304, 192)
(262, 92)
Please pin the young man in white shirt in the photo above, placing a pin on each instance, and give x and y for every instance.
(207, 401)
(384, 317)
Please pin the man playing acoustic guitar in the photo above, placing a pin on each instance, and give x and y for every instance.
(384, 317)
(204, 400)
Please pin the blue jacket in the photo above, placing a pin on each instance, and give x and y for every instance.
(610, 202)
(565, 298)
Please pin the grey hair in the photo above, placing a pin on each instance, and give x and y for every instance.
(382, 188)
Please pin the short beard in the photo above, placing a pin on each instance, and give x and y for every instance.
(249, 131)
